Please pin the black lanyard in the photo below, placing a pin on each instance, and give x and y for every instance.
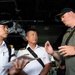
(70, 35)
(35, 55)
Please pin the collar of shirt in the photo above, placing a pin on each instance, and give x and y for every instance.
(70, 29)
(3, 44)
(3, 47)
(34, 48)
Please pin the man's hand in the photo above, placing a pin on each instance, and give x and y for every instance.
(18, 66)
(49, 48)
(67, 50)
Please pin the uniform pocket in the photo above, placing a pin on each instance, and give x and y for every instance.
(5, 60)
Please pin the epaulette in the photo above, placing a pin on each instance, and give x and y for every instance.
(74, 33)
(11, 46)
(22, 48)
(69, 33)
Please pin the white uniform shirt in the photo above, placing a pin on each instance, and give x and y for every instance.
(34, 67)
(4, 56)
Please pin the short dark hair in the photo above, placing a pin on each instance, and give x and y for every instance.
(31, 29)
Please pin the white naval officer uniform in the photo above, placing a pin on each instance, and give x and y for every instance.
(34, 67)
(4, 57)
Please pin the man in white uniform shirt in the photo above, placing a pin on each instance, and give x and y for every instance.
(34, 67)
(4, 53)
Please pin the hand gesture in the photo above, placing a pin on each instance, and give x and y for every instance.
(67, 50)
(18, 66)
(49, 48)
